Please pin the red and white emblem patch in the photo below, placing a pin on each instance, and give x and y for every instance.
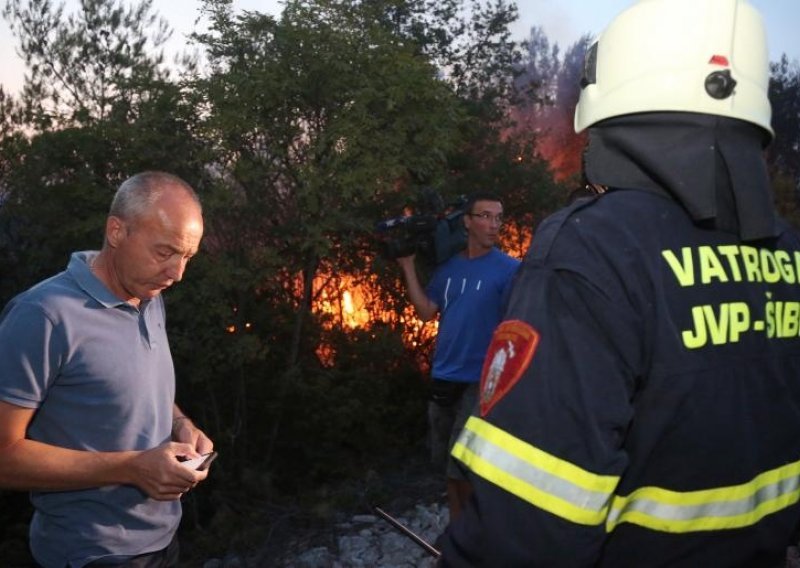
(513, 345)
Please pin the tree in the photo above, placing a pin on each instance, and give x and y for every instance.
(95, 109)
(471, 46)
(82, 66)
(319, 123)
(311, 119)
(784, 94)
(57, 185)
(539, 67)
(550, 87)
(783, 154)
(468, 41)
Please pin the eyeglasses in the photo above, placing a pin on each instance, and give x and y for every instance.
(486, 216)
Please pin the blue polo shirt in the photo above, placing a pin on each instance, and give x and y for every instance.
(99, 372)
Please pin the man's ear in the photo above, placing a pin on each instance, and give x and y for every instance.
(115, 231)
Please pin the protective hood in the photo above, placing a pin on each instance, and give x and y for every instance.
(712, 165)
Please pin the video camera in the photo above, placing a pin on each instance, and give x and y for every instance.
(435, 234)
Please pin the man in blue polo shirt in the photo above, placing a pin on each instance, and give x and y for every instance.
(88, 422)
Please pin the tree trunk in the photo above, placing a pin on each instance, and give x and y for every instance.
(292, 369)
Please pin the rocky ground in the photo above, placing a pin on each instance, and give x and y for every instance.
(363, 538)
(356, 537)
(359, 536)
(370, 540)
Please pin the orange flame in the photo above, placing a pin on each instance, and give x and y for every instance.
(352, 301)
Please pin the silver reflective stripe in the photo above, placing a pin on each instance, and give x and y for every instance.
(712, 509)
(533, 475)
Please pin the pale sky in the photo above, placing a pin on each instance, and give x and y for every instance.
(564, 21)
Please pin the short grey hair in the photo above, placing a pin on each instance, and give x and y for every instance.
(138, 193)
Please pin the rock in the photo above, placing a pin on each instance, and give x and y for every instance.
(319, 557)
(232, 560)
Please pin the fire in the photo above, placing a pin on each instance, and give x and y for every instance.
(516, 239)
(345, 298)
(556, 142)
(347, 301)
(232, 329)
(354, 301)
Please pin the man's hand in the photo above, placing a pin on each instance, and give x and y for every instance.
(406, 262)
(159, 473)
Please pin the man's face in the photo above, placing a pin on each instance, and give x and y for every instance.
(483, 223)
(151, 252)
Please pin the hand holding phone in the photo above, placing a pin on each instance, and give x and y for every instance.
(200, 464)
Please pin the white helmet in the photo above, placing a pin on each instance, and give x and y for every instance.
(705, 56)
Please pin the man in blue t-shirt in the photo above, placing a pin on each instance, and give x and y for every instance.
(88, 422)
(468, 292)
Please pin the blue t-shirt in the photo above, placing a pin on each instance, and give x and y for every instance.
(470, 293)
(99, 372)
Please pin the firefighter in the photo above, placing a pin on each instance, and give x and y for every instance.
(640, 402)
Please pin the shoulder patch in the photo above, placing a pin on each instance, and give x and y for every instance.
(510, 352)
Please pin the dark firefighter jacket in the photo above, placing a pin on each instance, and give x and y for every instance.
(640, 403)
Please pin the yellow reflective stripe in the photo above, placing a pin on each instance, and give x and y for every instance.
(577, 495)
(533, 475)
(710, 509)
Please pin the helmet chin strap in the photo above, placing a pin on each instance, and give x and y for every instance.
(712, 165)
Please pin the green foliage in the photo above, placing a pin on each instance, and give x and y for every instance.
(371, 400)
(468, 41)
(305, 130)
(56, 204)
(11, 117)
(58, 185)
(309, 118)
(82, 65)
(114, 117)
(321, 109)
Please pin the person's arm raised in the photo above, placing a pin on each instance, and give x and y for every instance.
(425, 307)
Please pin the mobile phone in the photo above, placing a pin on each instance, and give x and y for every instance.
(208, 458)
(199, 464)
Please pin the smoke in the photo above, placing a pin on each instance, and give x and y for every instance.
(549, 87)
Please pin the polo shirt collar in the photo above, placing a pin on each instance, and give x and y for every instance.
(78, 268)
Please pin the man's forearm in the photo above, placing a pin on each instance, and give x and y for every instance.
(30, 465)
(33, 466)
(425, 308)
